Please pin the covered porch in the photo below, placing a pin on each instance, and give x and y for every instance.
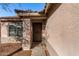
(32, 35)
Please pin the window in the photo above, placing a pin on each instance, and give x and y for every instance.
(15, 29)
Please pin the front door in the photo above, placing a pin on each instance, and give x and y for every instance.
(37, 32)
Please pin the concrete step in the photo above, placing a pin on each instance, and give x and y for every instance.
(38, 50)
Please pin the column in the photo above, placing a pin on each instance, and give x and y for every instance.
(26, 42)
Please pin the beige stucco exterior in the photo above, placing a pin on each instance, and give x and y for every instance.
(63, 31)
(5, 38)
(60, 29)
(25, 40)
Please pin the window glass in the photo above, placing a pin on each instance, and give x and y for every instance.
(15, 29)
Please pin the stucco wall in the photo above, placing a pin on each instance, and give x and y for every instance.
(63, 30)
(5, 38)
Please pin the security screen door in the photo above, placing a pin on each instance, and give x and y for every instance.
(37, 32)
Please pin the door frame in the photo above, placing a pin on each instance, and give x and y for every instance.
(33, 31)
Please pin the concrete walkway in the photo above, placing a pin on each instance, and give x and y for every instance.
(38, 50)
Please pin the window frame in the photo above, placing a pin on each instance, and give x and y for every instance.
(17, 33)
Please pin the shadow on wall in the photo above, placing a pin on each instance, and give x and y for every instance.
(52, 8)
(19, 39)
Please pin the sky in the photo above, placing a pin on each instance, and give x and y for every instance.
(21, 6)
